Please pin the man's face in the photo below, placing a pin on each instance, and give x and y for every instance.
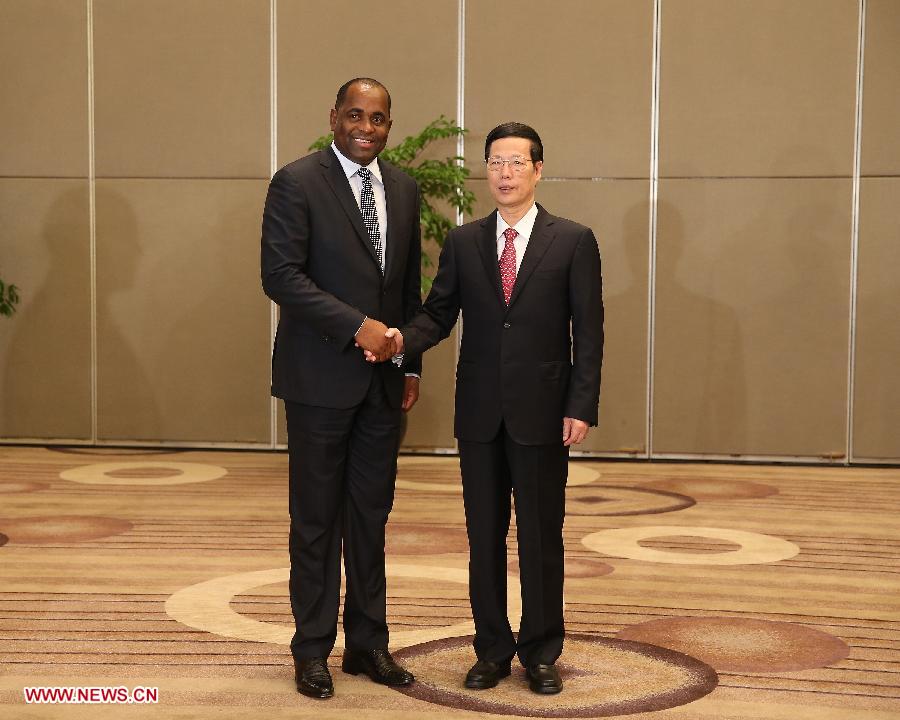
(362, 122)
(509, 188)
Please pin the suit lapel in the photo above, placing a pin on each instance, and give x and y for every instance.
(391, 242)
(334, 175)
(541, 238)
(487, 246)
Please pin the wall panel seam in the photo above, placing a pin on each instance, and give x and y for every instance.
(654, 195)
(854, 227)
(92, 219)
(460, 140)
(273, 162)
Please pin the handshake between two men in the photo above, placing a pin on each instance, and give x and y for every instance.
(378, 341)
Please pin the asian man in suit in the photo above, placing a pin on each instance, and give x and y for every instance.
(527, 388)
(341, 257)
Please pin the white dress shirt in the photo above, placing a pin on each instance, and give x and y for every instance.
(524, 227)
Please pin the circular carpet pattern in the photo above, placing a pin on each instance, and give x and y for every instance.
(207, 605)
(22, 486)
(713, 488)
(602, 677)
(743, 645)
(755, 548)
(580, 474)
(143, 473)
(611, 500)
(48, 530)
(425, 540)
(443, 474)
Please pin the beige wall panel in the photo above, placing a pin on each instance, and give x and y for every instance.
(578, 71)
(881, 99)
(876, 416)
(752, 307)
(182, 88)
(757, 87)
(281, 425)
(317, 54)
(617, 212)
(43, 83)
(430, 423)
(183, 325)
(45, 348)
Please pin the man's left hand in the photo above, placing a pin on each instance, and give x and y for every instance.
(410, 392)
(574, 430)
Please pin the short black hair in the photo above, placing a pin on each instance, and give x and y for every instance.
(516, 129)
(342, 91)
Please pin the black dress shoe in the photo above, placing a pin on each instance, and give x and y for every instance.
(543, 679)
(312, 678)
(378, 665)
(485, 674)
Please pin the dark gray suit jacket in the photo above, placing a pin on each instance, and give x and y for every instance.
(534, 362)
(320, 267)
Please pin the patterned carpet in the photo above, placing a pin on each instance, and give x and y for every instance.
(693, 592)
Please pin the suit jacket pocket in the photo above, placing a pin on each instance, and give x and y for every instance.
(554, 371)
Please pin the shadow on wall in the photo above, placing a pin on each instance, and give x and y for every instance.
(700, 403)
(623, 394)
(125, 396)
(47, 373)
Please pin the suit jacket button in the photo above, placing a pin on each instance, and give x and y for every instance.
(506, 325)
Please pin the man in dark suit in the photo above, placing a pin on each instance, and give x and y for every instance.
(527, 388)
(341, 256)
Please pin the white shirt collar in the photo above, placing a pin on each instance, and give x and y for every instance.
(351, 167)
(523, 227)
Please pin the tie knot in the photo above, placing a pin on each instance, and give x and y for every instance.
(364, 173)
(510, 234)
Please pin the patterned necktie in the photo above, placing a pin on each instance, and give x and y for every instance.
(370, 214)
(508, 264)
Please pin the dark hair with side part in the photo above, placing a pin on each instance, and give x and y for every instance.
(516, 129)
(342, 91)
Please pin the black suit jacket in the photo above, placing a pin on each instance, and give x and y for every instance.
(320, 267)
(534, 362)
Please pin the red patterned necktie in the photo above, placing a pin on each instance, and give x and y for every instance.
(508, 263)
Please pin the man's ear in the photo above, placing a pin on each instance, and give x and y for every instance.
(333, 119)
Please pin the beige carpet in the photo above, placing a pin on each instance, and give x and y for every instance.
(693, 592)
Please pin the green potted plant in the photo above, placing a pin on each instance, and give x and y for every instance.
(9, 298)
(439, 181)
